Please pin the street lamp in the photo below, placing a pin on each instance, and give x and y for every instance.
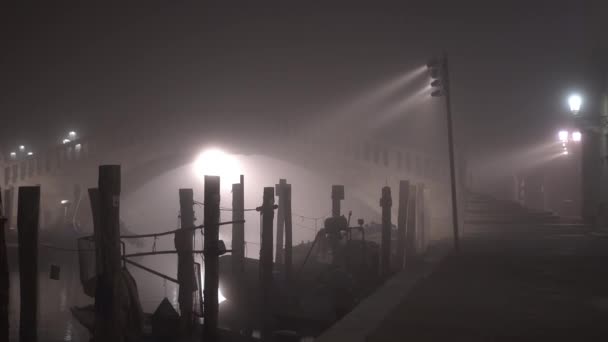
(577, 136)
(21, 148)
(13, 155)
(72, 135)
(575, 101)
(563, 136)
(440, 84)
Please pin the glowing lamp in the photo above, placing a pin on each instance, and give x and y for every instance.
(575, 101)
(563, 136)
(577, 136)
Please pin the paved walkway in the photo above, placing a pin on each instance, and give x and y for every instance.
(510, 283)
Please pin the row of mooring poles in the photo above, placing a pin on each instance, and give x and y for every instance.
(412, 223)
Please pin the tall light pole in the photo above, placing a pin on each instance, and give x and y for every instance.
(440, 74)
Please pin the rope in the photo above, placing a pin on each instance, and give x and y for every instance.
(224, 208)
(136, 236)
(65, 249)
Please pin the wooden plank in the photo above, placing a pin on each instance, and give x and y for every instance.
(28, 211)
(211, 252)
(185, 259)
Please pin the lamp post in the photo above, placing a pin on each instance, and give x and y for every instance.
(575, 102)
(440, 75)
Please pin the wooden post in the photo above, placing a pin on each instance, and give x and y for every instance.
(185, 259)
(288, 233)
(337, 194)
(426, 198)
(404, 192)
(280, 191)
(4, 277)
(28, 211)
(420, 219)
(94, 201)
(410, 234)
(109, 325)
(211, 252)
(238, 229)
(386, 203)
(267, 212)
(8, 206)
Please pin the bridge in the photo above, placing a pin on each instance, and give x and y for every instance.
(65, 170)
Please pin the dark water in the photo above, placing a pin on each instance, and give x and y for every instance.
(55, 321)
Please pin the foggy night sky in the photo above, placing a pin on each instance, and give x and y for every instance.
(76, 66)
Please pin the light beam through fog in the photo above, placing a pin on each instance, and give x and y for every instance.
(403, 108)
(370, 101)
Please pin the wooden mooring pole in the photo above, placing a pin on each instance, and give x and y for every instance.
(386, 202)
(267, 212)
(4, 276)
(94, 201)
(280, 192)
(28, 211)
(288, 234)
(337, 195)
(410, 234)
(420, 208)
(238, 229)
(185, 259)
(108, 323)
(404, 193)
(211, 252)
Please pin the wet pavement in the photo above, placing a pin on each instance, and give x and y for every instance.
(510, 283)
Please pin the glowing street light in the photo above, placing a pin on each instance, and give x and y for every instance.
(13, 155)
(66, 141)
(21, 148)
(30, 153)
(575, 101)
(72, 135)
(563, 136)
(577, 136)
